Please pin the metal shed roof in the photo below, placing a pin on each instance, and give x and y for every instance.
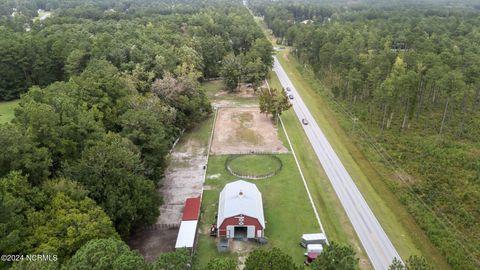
(186, 234)
(240, 198)
(191, 209)
(313, 236)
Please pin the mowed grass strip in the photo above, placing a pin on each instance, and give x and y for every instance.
(288, 212)
(333, 217)
(7, 110)
(406, 235)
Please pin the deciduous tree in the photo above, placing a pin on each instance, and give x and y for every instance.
(176, 260)
(273, 101)
(115, 162)
(336, 256)
(273, 259)
(231, 71)
(221, 264)
(103, 254)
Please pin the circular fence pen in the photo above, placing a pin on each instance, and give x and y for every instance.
(253, 166)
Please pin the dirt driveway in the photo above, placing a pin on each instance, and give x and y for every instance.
(183, 179)
(244, 129)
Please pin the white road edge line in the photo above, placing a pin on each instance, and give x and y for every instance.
(301, 174)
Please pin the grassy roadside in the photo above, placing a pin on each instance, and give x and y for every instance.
(400, 226)
(332, 215)
(7, 110)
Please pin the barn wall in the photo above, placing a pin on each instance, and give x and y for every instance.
(233, 221)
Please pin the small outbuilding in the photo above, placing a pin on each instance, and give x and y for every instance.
(240, 211)
(313, 238)
(188, 226)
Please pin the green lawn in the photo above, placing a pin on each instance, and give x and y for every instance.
(6, 110)
(288, 213)
(213, 87)
(400, 226)
(254, 164)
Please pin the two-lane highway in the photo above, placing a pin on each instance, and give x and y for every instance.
(379, 248)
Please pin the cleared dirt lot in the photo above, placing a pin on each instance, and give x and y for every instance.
(183, 179)
(244, 129)
(150, 243)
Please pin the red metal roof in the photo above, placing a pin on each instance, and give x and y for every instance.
(312, 255)
(191, 210)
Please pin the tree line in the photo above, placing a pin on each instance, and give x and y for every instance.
(102, 101)
(412, 77)
(143, 45)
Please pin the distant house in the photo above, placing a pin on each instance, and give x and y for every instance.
(399, 47)
(306, 22)
(240, 211)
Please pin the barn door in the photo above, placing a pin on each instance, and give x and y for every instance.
(250, 231)
(230, 231)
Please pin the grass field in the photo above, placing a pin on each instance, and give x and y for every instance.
(288, 213)
(213, 87)
(401, 228)
(6, 110)
(254, 164)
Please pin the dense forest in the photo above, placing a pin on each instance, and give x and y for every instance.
(411, 76)
(106, 88)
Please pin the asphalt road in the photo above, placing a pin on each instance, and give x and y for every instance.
(379, 248)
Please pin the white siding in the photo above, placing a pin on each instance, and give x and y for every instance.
(230, 231)
(250, 231)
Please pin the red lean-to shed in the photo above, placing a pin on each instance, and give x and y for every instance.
(191, 210)
(240, 211)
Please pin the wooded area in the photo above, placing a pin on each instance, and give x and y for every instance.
(106, 88)
(411, 76)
